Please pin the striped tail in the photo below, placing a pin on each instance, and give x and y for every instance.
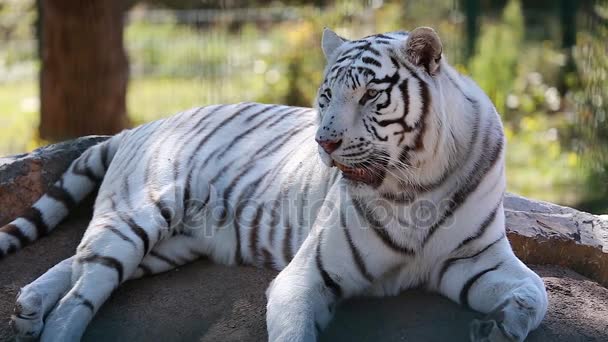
(82, 177)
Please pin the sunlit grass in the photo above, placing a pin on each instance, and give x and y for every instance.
(537, 165)
(151, 99)
(19, 107)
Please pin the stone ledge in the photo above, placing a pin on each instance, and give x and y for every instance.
(25, 177)
(540, 232)
(544, 233)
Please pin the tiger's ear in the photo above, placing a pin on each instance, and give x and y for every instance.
(330, 42)
(423, 48)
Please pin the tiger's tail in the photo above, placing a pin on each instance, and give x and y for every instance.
(82, 177)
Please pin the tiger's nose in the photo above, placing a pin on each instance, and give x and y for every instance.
(329, 145)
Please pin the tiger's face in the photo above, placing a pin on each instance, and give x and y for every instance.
(374, 104)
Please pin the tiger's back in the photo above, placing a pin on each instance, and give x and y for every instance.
(238, 175)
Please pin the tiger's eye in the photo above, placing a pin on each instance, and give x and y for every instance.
(371, 93)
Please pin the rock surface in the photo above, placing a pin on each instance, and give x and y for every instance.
(545, 233)
(25, 177)
(207, 302)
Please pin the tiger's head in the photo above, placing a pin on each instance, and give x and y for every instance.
(381, 108)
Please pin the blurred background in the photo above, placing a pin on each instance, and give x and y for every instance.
(73, 67)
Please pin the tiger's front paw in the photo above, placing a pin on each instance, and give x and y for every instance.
(26, 320)
(288, 317)
(489, 331)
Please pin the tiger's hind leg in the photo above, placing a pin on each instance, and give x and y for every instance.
(112, 248)
(498, 284)
(36, 299)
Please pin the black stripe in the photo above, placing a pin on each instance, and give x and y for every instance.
(85, 170)
(136, 143)
(373, 50)
(377, 228)
(405, 97)
(486, 161)
(34, 216)
(464, 293)
(382, 36)
(267, 259)
(329, 282)
(137, 229)
(255, 127)
(284, 116)
(421, 124)
(279, 141)
(385, 104)
(366, 71)
(165, 212)
(256, 156)
(375, 133)
(449, 262)
(372, 61)
(399, 198)
(120, 234)
(359, 262)
(164, 258)
(238, 254)
(305, 194)
(342, 59)
(482, 228)
(248, 191)
(11, 248)
(84, 301)
(140, 232)
(253, 234)
(105, 261)
(274, 220)
(16, 232)
(188, 192)
(287, 253)
(286, 137)
(318, 328)
(458, 162)
(383, 42)
(104, 151)
(217, 128)
(264, 110)
(186, 139)
(58, 193)
(252, 187)
(145, 269)
(354, 154)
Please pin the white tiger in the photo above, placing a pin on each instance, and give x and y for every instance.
(415, 199)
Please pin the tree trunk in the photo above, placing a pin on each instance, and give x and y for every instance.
(84, 74)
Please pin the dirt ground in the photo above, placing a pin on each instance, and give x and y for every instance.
(207, 302)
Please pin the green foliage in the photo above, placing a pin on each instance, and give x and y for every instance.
(17, 43)
(591, 102)
(495, 63)
(167, 49)
(18, 117)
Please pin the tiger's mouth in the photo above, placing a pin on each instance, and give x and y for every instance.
(369, 174)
